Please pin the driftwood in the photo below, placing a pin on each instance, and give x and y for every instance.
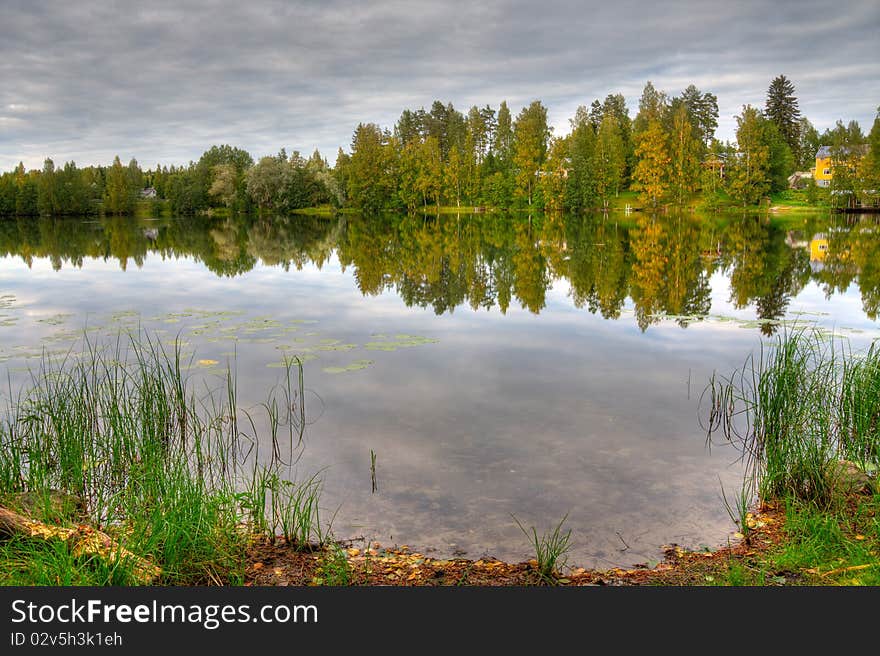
(83, 541)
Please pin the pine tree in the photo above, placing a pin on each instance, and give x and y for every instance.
(782, 110)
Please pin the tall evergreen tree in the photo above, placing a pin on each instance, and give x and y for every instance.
(47, 190)
(503, 134)
(782, 110)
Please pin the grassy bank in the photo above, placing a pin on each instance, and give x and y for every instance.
(117, 437)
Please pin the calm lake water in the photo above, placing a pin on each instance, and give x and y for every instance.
(497, 366)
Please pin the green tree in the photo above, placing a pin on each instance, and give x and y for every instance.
(265, 180)
(455, 176)
(652, 107)
(118, 192)
(749, 178)
(580, 189)
(684, 153)
(702, 108)
(872, 158)
(429, 181)
(609, 158)
(847, 151)
(781, 162)
(531, 134)
(372, 170)
(782, 110)
(557, 171)
(223, 186)
(25, 191)
(47, 190)
(502, 144)
(808, 145)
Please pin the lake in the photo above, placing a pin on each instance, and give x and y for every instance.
(498, 367)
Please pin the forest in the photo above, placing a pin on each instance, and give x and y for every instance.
(489, 158)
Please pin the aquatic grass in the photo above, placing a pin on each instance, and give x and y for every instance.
(738, 510)
(859, 414)
(550, 548)
(795, 408)
(170, 469)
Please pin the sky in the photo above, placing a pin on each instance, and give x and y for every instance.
(163, 81)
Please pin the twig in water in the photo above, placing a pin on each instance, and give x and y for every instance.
(625, 545)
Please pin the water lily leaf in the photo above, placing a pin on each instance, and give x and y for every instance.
(354, 366)
(336, 347)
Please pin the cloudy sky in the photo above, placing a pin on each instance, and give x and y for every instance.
(162, 81)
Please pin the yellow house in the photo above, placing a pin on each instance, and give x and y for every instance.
(822, 172)
(818, 247)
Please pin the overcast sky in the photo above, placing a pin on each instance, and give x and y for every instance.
(163, 81)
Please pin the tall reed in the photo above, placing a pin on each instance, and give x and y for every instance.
(796, 407)
(169, 465)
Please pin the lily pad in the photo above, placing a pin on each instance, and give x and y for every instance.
(354, 366)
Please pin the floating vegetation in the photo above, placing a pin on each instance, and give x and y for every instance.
(336, 347)
(55, 319)
(380, 346)
(7, 301)
(758, 323)
(123, 314)
(401, 340)
(354, 366)
(287, 362)
(679, 317)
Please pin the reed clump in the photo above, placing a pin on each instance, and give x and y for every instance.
(165, 462)
(796, 409)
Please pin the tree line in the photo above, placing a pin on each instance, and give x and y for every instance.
(668, 153)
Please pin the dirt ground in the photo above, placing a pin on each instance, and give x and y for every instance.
(277, 563)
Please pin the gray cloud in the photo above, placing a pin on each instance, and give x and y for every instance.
(162, 81)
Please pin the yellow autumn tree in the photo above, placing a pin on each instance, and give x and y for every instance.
(651, 172)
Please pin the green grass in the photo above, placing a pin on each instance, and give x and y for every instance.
(334, 568)
(822, 546)
(551, 549)
(796, 408)
(176, 472)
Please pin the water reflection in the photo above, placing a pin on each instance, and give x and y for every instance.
(663, 263)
